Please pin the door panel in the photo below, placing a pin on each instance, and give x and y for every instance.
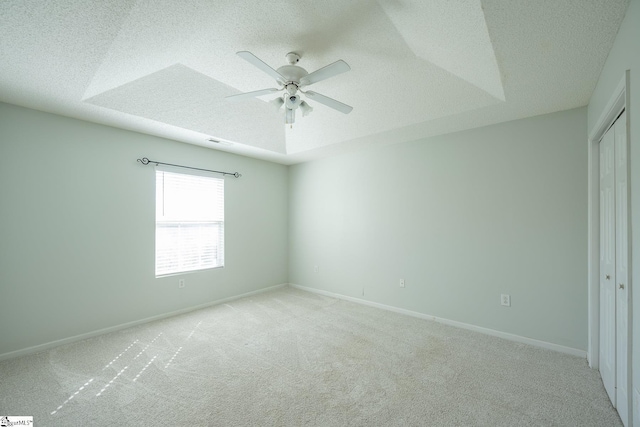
(622, 268)
(607, 266)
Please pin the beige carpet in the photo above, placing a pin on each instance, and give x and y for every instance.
(293, 358)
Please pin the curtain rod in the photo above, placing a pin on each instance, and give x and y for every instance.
(146, 161)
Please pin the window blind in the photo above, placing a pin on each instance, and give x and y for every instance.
(189, 221)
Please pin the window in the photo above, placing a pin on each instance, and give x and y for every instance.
(189, 221)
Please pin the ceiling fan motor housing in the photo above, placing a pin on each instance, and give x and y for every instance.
(292, 73)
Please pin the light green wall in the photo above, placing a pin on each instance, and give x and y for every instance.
(625, 55)
(77, 228)
(462, 218)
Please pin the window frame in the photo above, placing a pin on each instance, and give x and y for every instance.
(194, 242)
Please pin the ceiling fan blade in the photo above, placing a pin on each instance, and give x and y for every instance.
(247, 95)
(259, 63)
(323, 73)
(329, 102)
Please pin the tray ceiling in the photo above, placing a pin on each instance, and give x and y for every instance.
(418, 68)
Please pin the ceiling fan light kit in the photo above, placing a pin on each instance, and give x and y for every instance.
(291, 79)
(305, 108)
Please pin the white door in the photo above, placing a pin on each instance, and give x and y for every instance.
(622, 268)
(607, 265)
(614, 266)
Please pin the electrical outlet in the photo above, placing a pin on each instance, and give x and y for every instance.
(505, 300)
(181, 283)
(402, 283)
(316, 268)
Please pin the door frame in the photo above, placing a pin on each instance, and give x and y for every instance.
(619, 100)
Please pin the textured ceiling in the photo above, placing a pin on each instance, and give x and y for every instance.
(418, 68)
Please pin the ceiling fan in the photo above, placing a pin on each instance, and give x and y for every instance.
(292, 79)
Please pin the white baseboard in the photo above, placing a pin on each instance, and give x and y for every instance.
(52, 344)
(487, 331)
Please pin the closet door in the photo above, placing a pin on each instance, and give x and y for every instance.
(607, 265)
(622, 267)
(614, 266)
